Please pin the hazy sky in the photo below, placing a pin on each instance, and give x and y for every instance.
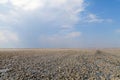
(59, 23)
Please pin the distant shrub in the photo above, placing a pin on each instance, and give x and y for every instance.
(98, 52)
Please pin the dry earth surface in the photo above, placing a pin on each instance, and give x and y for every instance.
(59, 64)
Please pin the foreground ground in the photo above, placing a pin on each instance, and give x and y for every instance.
(59, 64)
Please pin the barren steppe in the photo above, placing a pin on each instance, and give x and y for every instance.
(59, 64)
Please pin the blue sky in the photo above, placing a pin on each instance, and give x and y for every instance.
(59, 24)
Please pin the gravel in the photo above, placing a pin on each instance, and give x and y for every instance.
(58, 64)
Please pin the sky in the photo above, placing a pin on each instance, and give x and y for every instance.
(59, 24)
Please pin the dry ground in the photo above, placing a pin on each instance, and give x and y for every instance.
(59, 64)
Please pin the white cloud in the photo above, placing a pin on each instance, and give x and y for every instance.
(69, 39)
(27, 4)
(92, 18)
(9, 18)
(63, 11)
(67, 35)
(75, 6)
(3, 1)
(57, 3)
(73, 34)
(7, 36)
(33, 15)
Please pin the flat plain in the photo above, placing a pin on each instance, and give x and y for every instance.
(59, 64)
